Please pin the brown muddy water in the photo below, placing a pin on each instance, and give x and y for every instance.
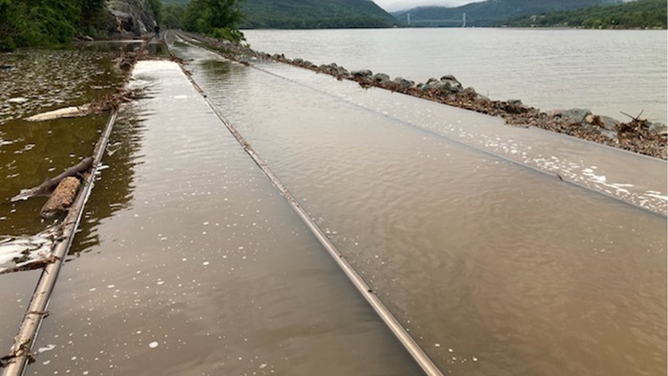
(39, 81)
(204, 268)
(495, 265)
(188, 261)
(29, 152)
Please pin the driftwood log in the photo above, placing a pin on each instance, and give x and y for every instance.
(62, 198)
(50, 184)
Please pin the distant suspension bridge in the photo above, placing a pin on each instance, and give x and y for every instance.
(413, 20)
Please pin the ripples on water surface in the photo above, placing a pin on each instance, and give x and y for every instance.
(606, 71)
(39, 81)
(203, 268)
(496, 269)
(188, 261)
(30, 152)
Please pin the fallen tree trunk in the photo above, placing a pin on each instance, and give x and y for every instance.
(67, 112)
(62, 198)
(50, 184)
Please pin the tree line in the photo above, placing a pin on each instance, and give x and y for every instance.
(216, 18)
(53, 23)
(282, 14)
(638, 14)
(46, 22)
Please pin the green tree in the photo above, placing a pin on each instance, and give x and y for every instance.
(173, 15)
(26, 23)
(156, 8)
(635, 14)
(216, 18)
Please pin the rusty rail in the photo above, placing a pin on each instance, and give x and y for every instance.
(20, 352)
(416, 352)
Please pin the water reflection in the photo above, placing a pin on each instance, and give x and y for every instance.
(206, 270)
(114, 187)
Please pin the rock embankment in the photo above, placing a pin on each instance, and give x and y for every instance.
(638, 135)
(130, 18)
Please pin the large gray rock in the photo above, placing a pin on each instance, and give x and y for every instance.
(381, 78)
(404, 83)
(341, 71)
(433, 83)
(452, 84)
(610, 123)
(362, 73)
(447, 84)
(130, 18)
(575, 115)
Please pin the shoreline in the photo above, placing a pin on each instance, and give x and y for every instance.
(637, 135)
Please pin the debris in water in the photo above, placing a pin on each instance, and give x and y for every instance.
(46, 348)
(20, 252)
(62, 198)
(153, 345)
(67, 112)
(50, 184)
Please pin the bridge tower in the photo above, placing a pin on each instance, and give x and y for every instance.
(464, 20)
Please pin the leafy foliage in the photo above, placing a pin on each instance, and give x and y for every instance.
(45, 22)
(306, 14)
(157, 9)
(216, 18)
(315, 14)
(172, 15)
(637, 14)
(490, 12)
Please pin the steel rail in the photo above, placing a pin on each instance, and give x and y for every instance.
(378, 306)
(37, 310)
(197, 43)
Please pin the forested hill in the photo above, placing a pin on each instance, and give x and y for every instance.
(315, 14)
(311, 14)
(636, 14)
(50, 23)
(491, 12)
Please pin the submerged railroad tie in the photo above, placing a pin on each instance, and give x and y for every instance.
(20, 353)
(369, 295)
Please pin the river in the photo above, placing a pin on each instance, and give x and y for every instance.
(607, 71)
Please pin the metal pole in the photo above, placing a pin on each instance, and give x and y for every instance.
(25, 339)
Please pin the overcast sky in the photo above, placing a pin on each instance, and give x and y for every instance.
(392, 5)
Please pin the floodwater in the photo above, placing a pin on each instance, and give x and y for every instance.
(188, 261)
(495, 265)
(203, 268)
(29, 152)
(607, 71)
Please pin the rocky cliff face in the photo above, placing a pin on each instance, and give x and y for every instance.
(130, 18)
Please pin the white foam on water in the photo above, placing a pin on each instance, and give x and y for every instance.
(46, 348)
